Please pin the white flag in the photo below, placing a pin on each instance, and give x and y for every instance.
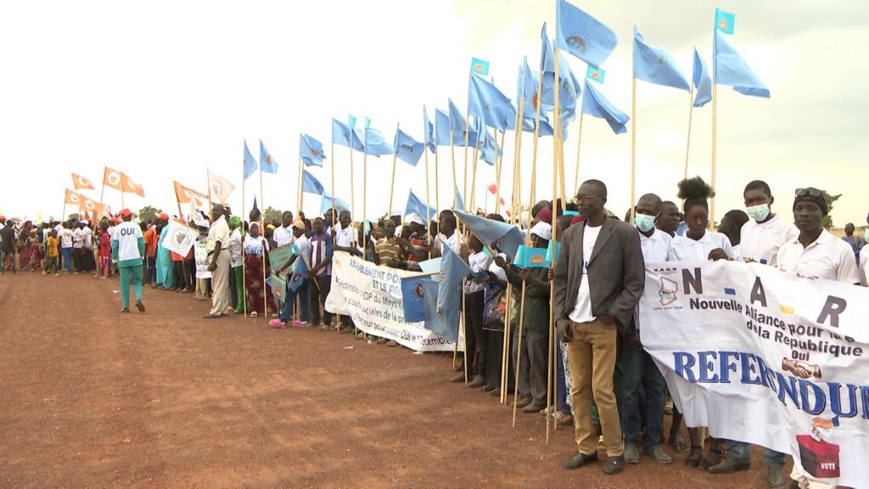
(219, 188)
(179, 238)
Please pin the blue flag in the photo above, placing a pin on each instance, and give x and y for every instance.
(582, 35)
(724, 21)
(413, 298)
(486, 102)
(311, 151)
(730, 69)
(528, 85)
(449, 295)
(311, 185)
(557, 250)
(249, 162)
(352, 120)
(376, 144)
(266, 163)
(435, 321)
(494, 234)
(419, 207)
(407, 149)
(569, 89)
(702, 81)
(345, 135)
(326, 203)
(480, 67)
(442, 128)
(460, 203)
(595, 74)
(656, 65)
(531, 258)
(457, 122)
(428, 130)
(488, 147)
(300, 271)
(596, 105)
(545, 128)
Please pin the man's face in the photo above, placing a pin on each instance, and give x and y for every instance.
(590, 200)
(808, 216)
(318, 226)
(668, 221)
(849, 229)
(215, 214)
(648, 207)
(756, 196)
(286, 219)
(389, 229)
(298, 232)
(344, 219)
(447, 226)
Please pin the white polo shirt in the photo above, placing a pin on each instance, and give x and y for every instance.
(344, 237)
(479, 262)
(761, 241)
(656, 248)
(77, 237)
(864, 266)
(284, 236)
(685, 248)
(828, 258)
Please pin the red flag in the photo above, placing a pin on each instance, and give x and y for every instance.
(494, 189)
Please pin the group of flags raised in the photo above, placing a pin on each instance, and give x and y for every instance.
(88, 207)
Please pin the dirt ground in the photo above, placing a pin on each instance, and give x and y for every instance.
(93, 398)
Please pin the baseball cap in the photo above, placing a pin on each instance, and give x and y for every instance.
(125, 212)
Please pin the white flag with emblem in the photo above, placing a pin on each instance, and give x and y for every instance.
(219, 188)
(179, 238)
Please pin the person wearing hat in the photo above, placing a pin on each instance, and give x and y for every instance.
(417, 243)
(299, 263)
(128, 249)
(217, 247)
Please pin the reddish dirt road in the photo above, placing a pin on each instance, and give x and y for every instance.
(93, 398)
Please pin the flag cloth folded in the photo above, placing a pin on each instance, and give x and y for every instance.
(428, 129)
(528, 125)
(131, 187)
(419, 207)
(407, 149)
(729, 68)
(185, 194)
(596, 74)
(655, 64)
(179, 238)
(582, 35)
(376, 144)
(345, 135)
(479, 66)
(326, 203)
(71, 198)
(112, 178)
(595, 104)
(569, 89)
(507, 238)
(442, 128)
(724, 21)
(219, 188)
(460, 203)
(435, 321)
(531, 258)
(489, 150)
(81, 183)
(449, 295)
(458, 123)
(702, 81)
(300, 271)
(486, 102)
(310, 184)
(311, 151)
(528, 84)
(412, 298)
(249, 162)
(266, 163)
(549, 250)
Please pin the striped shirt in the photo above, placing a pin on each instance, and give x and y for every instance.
(321, 250)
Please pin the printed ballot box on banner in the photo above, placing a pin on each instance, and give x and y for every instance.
(819, 458)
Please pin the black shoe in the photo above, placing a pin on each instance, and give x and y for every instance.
(477, 382)
(457, 379)
(211, 316)
(614, 465)
(523, 402)
(579, 460)
(140, 306)
(126, 309)
(533, 408)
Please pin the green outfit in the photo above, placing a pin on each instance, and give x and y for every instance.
(239, 286)
(130, 270)
(536, 300)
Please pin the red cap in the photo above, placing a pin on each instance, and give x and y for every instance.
(2, 218)
(125, 212)
(163, 216)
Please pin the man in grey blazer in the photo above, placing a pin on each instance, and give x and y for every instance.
(598, 283)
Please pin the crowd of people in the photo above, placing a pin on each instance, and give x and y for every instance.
(606, 385)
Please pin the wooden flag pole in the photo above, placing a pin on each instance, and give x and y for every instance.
(427, 196)
(519, 352)
(500, 173)
(243, 261)
(467, 141)
(455, 178)
(473, 199)
(437, 177)
(263, 233)
(505, 348)
(690, 117)
(578, 148)
(299, 198)
(394, 164)
(633, 149)
(365, 192)
(334, 217)
(714, 150)
(352, 185)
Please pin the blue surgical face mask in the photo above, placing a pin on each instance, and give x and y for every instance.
(644, 223)
(758, 212)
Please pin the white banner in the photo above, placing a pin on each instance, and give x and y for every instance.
(179, 238)
(202, 261)
(371, 295)
(766, 358)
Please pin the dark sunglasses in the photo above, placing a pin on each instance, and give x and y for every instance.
(812, 192)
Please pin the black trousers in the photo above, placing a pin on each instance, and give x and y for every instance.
(476, 339)
(317, 297)
(76, 259)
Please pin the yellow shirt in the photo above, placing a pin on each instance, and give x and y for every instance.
(52, 247)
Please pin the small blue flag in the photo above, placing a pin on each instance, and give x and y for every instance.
(460, 203)
(479, 67)
(528, 85)
(249, 162)
(376, 144)
(346, 135)
(494, 234)
(352, 120)
(326, 203)
(552, 242)
(582, 35)
(435, 321)
(419, 207)
(656, 65)
(460, 130)
(428, 130)
(300, 271)
(413, 298)
(702, 81)
(488, 147)
(730, 69)
(595, 74)
(367, 122)
(407, 149)
(486, 102)
(310, 184)
(596, 105)
(311, 151)
(531, 258)
(266, 163)
(724, 21)
(442, 128)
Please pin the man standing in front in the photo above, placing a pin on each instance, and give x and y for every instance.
(598, 283)
(128, 248)
(217, 247)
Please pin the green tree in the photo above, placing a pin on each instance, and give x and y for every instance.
(828, 219)
(147, 213)
(271, 214)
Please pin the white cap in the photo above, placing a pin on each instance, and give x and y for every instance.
(543, 230)
(414, 217)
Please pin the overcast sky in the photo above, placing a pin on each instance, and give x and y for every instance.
(164, 89)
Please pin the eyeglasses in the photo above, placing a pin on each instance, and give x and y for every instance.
(811, 191)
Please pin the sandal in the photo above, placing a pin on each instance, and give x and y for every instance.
(693, 460)
(678, 443)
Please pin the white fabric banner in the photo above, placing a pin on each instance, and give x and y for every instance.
(179, 238)
(767, 358)
(371, 295)
(202, 261)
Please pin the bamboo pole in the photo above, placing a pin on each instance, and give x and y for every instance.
(467, 141)
(394, 164)
(505, 348)
(519, 352)
(437, 177)
(263, 231)
(473, 200)
(427, 196)
(690, 117)
(334, 217)
(243, 264)
(714, 151)
(633, 149)
(578, 147)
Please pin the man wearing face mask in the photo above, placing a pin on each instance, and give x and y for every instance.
(765, 232)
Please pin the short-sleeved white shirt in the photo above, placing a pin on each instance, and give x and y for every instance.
(235, 248)
(344, 237)
(284, 236)
(219, 231)
(864, 266)
(479, 262)
(828, 258)
(656, 248)
(761, 241)
(685, 248)
(128, 234)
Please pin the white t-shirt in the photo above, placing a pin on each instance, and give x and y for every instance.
(582, 310)
(254, 246)
(77, 238)
(656, 248)
(87, 238)
(304, 245)
(827, 258)
(284, 236)
(344, 237)
(452, 242)
(737, 252)
(479, 262)
(65, 236)
(235, 248)
(761, 241)
(685, 248)
(864, 266)
(127, 235)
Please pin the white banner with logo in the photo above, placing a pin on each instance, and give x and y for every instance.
(179, 238)
(371, 295)
(766, 358)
